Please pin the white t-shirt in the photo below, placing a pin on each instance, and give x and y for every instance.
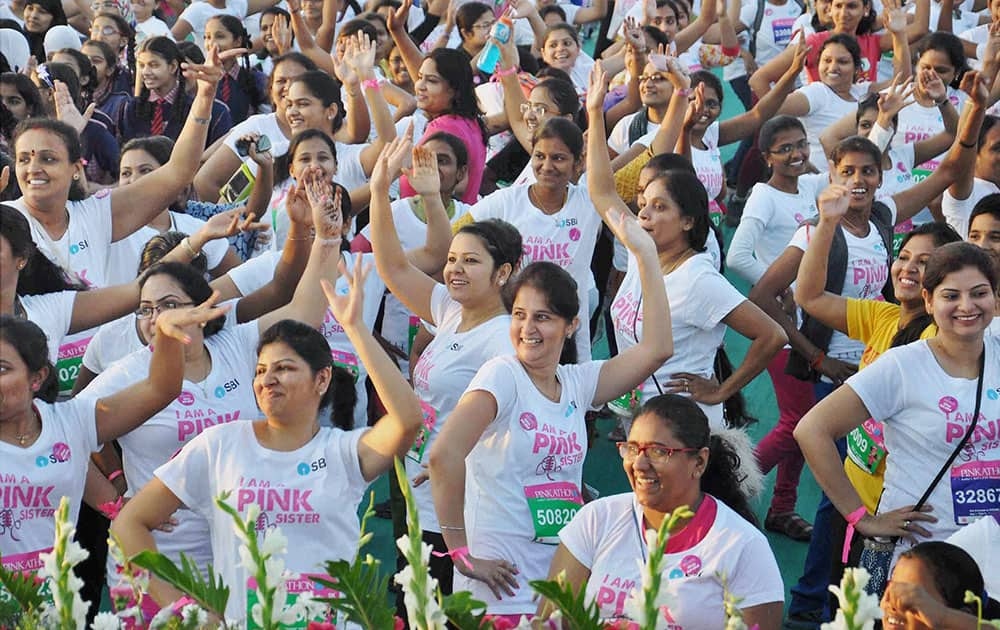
(580, 72)
(700, 298)
(256, 272)
(926, 413)
(440, 377)
(618, 140)
(978, 35)
(957, 211)
(770, 219)
(917, 122)
(566, 238)
(825, 108)
(981, 540)
(226, 395)
(605, 537)
(398, 323)
(900, 176)
(708, 166)
(152, 27)
(776, 27)
(53, 313)
(36, 477)
(311, 493)
(341, 347)
(533, 451)
(867, 272)
(82, 252)
(113, 341)
(125, 255)
(198, 13)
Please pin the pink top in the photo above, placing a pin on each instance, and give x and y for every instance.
(469, 132)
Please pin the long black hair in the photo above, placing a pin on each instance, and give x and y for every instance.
(689, 425)
(453, 66)
(40, 275)
(245, 77)
(166, 49)
(942, 233)
(31, 345)
(309, 344)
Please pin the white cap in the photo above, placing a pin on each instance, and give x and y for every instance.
(61, 36)
(14, 47)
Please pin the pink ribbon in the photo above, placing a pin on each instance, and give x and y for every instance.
(462, 553)
(111, 509)
(852, 519)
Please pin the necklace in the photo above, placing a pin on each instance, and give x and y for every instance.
(676, 262)
(24, 438)
(533, 197)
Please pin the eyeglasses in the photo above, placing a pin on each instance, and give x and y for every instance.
(539, 109)
(146, 312)
(104, 30)
(483, 26)
(655, 452)
(651, 77)
(785, 149)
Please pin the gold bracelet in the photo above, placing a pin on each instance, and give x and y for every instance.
(186, 242)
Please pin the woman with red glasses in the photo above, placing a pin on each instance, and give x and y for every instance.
(672, 460)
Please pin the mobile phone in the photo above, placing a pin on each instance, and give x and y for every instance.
(239, 186)
(243, 146)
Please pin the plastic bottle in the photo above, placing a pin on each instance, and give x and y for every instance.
(490, 55)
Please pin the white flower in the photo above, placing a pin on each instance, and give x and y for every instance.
(106, 621)
(194, 613)
(246, 559)
(257, 614)
(253, 511)
(274, 544)
(162, 618)
(274, 568)
(857, 609)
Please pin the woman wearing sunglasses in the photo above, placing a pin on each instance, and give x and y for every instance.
(672, 460)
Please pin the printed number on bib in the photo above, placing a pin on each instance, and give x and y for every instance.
(975, 490)
(865, 446)
(68, 363)
(552, 506)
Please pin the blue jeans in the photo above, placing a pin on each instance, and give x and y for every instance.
(811, 592)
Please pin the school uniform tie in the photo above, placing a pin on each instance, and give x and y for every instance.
(226, 88)
(157, 127)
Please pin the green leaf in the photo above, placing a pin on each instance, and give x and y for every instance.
(211, 593)
(22, 588)
(363, 592)
(577, 614)
(465, 613)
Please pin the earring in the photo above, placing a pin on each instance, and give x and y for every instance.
(76, 177)
(201, 325)
(20, 266)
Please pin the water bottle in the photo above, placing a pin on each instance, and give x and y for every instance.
(490, 55)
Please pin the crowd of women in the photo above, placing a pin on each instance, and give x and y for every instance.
(264, 248)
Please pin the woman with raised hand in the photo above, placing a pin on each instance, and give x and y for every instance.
(468, 312)
(218, 363)
(319, 473)
(34, 428)
(75, 231)
(931, 395)
(673, 209)
(514, 446)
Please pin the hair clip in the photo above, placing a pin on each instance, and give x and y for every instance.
(42, 71)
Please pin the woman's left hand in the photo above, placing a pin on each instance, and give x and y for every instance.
(626, 228)
(894, 16)
(931, 84)
(325, 205)
(66, 109)
(349, 309)
(701, 389)
(360, 56)
(208, 74)
(424, 177)
(597, 89)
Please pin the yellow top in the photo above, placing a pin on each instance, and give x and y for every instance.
(875, 323)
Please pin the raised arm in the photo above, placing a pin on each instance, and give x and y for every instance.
(360, 55)
(307, 43)
(513, 96)
(959, 165)
(760, 81)
(937, 144)
(695, 30)
(394, 433)
(135, 204)
(308, 304)
(125, 410)
(408, 283)
(407, 48)
(634, 365)
(810, 284)
(747, 123)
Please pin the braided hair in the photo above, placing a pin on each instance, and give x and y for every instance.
(245, 78)
(166, 49)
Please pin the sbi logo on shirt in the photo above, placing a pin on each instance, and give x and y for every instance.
(76, 248)
(227, 387)
(60, 453)
(993, 394)
(304, 469)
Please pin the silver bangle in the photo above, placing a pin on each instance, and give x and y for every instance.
(451, 529)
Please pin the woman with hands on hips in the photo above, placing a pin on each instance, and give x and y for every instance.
(514, 446)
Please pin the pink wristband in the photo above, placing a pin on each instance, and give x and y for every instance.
(118, 473)
(371, 84)
(852, 519)
(462, 554)
(509, 71)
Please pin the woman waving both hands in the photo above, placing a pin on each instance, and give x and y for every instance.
(500, 450)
